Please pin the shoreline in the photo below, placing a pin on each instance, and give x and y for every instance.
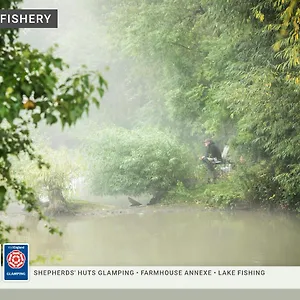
(165, 208)
(91, 209)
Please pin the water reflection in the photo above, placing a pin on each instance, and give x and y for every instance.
(172, 238)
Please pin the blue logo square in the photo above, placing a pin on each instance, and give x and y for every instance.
(16, 262)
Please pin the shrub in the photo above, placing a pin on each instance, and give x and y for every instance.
(134, 162)
(225, 193)
(52, 182)
(262, 186)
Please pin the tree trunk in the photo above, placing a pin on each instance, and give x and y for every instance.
(58, 203)
(157, 197)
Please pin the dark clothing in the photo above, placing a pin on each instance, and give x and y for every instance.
(213, 151)
(209, 164)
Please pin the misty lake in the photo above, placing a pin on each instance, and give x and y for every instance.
(170, 236)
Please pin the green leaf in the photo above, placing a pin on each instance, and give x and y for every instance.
(58, 63)
(51, 119)
(36, 118)
(101, 92)
(2, 197)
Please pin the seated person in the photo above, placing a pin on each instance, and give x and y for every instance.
(213, 155)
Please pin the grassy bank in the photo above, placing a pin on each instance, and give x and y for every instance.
(229, 192)
(75, 206)
(222, 194)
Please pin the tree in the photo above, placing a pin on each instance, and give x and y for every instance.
(34, 88)
(135, 162)
(231, 70)
(52, 183)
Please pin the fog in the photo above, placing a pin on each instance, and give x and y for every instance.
(183, 234)
(82, 39)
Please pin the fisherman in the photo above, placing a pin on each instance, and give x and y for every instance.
(212, 157)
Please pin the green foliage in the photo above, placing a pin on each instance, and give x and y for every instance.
(230, 69)
(262, 188)
(182, 193)
(133, 162)
(42, 260)
(34, 88)
(63, 166)
(221, 196)
(225, 193)
(179, 45)
(282, 18)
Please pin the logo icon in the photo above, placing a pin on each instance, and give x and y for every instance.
(16, 259)
(16, 262)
